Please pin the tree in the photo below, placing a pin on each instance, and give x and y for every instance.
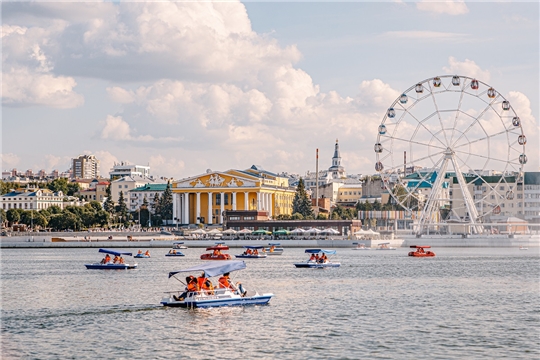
(72, 188)
(60, 184)
(376, 205)
(144, 214)
(301, 201)
(3, 217)
(297, 216)
(156, 205)
(122, 209)
(166, 203)
(321, 216)
(13, 216)
(108, 206)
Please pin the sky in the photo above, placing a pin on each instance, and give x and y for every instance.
(191, 86)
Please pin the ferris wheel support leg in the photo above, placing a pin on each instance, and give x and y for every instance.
(432, 203)
(469, 203)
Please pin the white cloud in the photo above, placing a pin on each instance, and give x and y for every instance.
(466, 68)
(117, 129)
(22, 86)
(450, 7)
(106, 161)
(166, 166)
(9, 160)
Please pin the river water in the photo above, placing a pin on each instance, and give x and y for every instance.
(465, 303)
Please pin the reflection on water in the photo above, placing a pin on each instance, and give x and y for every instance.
(464, 303)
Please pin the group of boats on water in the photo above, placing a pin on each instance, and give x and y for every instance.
(201, 292)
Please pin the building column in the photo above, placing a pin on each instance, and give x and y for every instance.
(234, 201)
(258, 201)
(246, 201)
(270, 209)
(209, 208)
(174, 208)
(198, 208)
(186, 208)
(222, 207)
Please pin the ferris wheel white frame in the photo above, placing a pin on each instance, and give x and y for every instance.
(449, 152)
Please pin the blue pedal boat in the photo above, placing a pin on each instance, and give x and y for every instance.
(252, 252)
(235, 295)
(318, 264)
(103, 265)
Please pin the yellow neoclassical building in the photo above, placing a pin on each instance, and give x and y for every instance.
(206, 197)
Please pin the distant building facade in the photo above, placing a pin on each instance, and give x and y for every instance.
(85, 167)
(32, 199)
(125, 169)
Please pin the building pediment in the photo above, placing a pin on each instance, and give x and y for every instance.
(215, 180)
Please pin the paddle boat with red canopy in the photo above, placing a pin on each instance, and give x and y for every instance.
(420, 251)
(252, 252)
(229, 295)
(108, 264)
(320, 263)
(217, 253)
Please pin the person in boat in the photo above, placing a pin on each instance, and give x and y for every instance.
(115, 260)
(316, 257)
(121, 260)
(147, 253)
(224, 282)
(248, 252)
(201, 280)
(191, 286)
(255, 252)
(240, 289)
(312, 258)
(107, 259)
(208, 287)
(272, 248)
(215, 253)
(139, 252)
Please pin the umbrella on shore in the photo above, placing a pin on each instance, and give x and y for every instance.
(261, 232)
(281, 232)
(229, 232)
(297, 231)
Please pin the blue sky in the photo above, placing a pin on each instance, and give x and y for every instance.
(185, 87)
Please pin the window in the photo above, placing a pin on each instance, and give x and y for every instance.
(249, 217)
(218, 199)
(234, 217)
(119, 186)
(226, 199)
(501, 187)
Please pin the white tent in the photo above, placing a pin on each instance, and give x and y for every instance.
(297, 231)
(313, 231)
(214, 232)
(361, 232)
(230, 232)
(330, 231)
(198, 232)
(244, 231)
(371, 232)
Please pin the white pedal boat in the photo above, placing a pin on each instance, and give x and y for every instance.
(217, 297)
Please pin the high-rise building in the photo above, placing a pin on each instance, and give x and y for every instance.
(85, 167)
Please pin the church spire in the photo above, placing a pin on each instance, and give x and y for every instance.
(336, 160)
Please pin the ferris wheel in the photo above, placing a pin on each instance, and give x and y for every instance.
(451, 149)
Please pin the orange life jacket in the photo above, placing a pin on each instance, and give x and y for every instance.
(224, 282)
(192, 286)
(200, 282)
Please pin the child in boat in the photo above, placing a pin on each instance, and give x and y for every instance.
(121, 260)
(147, 253)
(312, 257)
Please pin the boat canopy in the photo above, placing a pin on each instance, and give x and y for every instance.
(218, 247)
(213, 269)
(420, 246)
(112, 252)
(316, 251)
(253, 247)
(178, 243)
(274, 244)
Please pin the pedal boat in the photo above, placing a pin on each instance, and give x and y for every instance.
(384, 246)
(318, 265)
(110, 265)
(274, 249)
(360, 246)
(179, 245)
(216, 253)
(252, 254)
(420, 251)
(218, 297)
(142, 256)
(174, 252)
